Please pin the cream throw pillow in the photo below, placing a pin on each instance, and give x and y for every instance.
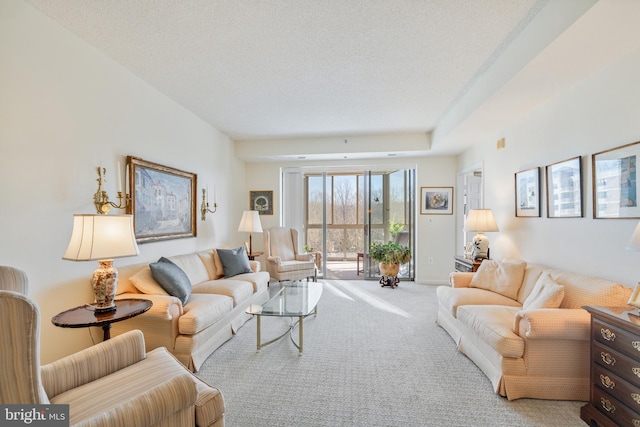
(502, 277)
(144, 282)
(547, 293)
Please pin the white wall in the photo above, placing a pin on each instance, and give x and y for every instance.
(598, 113)
(67, 108)
(435, 233)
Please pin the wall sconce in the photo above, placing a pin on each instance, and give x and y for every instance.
(204, 207)
(101, 198)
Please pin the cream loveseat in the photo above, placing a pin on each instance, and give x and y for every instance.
(523, 325)
(213, 312)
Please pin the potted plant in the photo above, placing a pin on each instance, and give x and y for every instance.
(389, 256)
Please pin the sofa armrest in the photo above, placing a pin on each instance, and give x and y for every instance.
(460, 279)
(92, 363)
(274, 259)
(556, 324)
(255, 266)
(151, 407)
(164, 306)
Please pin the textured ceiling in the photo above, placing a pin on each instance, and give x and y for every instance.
(303, 68)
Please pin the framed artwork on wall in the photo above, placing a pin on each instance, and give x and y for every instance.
(436, 200)
(527, 188)
(564, 189)
(261, 201)
(615, 186)
(163, 201)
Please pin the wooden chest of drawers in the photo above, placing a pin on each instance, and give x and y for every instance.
(615, 368)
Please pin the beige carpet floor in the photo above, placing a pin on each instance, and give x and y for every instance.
(373, 357)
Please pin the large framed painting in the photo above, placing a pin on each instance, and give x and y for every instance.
(615, 186)
(436, 200)
(528, 192)
(163, 201)
(564, 189)
(261, 201)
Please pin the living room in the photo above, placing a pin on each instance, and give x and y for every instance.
(69, 108)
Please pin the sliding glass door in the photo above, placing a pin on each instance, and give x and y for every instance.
(347, 211)
(389, 215)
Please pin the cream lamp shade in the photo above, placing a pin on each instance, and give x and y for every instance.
(480, 221)
(102, 238)
(250, 223)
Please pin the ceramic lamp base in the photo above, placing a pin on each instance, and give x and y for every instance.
(105, 284)
(480, 246)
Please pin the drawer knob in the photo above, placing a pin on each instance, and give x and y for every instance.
(635, 422)
(607, 334)
(636, 371)
(610, 360)
(636, 397)
(607, 382)
(607, 405)
(636, 345)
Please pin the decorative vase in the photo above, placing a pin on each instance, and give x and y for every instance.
(105, 284)
(389, 270)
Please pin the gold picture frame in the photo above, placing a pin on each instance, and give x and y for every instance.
(163, 201)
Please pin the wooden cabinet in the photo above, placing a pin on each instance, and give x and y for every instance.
(467, 264)
(615, 368)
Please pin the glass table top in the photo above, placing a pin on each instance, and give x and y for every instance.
(293, 299)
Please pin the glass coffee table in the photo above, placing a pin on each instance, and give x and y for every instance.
(296, 299)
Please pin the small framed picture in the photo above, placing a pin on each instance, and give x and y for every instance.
(615, 185)
(528, 192)
(564, 189)
(634, 299)
(261, 201)
(468, 250)
(436, 200)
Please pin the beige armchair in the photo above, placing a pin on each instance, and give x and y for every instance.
(114, 383)
(284, 262)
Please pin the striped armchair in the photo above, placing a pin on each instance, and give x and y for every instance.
(284, 262)
(114, 383)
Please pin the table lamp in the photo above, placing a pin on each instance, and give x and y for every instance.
(102, 238)
(250, 223)
(481, 221)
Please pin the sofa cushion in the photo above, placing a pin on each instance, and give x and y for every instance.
(144, 282)
(172, 279)
(503, 277)
(202, 311)
(547, 293)
(259, 280)
(452, 298)
(493, 324)
(234, 261)
(209, 263)
(239, 290)
(218, 269)
(582, 290)
(192, 266)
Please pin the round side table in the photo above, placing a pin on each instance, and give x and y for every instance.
(85, 316)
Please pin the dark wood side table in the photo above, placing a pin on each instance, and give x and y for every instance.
(252, 256)
(615, 368)
(467, 264)
(85, 316)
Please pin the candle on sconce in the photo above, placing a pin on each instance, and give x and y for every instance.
(119, 177)
(214, 194)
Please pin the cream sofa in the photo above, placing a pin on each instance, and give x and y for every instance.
(212, 314)
(496, 319)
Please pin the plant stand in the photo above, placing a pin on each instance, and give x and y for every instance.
(391, 281)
